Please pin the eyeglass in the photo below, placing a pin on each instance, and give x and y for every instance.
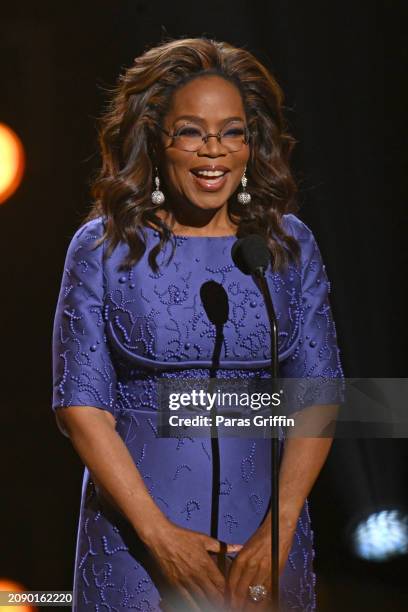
(191, 138)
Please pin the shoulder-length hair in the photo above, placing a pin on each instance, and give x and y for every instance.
(129, 134)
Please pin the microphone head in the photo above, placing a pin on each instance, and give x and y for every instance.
(214, 298)
(251, 254)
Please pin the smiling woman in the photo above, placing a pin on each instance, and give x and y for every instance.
(192, 123)
(186, 106)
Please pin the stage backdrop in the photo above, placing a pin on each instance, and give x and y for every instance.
(341, 66)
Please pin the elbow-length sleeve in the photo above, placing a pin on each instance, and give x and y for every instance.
(83, 372)
(316, 354)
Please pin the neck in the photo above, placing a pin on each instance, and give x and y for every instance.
(214, 222)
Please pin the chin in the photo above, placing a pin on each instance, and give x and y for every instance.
(210, 206)
(209, 200)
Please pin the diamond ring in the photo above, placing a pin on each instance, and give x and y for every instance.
(257, 592)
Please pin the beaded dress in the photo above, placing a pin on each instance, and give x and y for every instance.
(117, 333)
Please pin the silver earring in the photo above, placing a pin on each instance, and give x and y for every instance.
(157, 195)
(243, 196)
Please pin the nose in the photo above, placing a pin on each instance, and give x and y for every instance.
(212, 148)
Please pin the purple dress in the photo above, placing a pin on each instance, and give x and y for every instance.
(117, 333)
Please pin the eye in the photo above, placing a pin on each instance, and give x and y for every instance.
(188, 131)
(234, 131)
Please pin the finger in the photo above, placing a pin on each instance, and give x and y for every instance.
(217, 546)
(234, 577)
(214, 545)
(261, 577)
(231, 548)
(216, 579)
(214, 597)
(168, 606)
(204, 595)
(259, 606)
(187, 603)
(248, 578)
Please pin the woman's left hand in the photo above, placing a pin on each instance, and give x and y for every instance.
(253, 565)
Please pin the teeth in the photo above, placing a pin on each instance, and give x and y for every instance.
(211, 173)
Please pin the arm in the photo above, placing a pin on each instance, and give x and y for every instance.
(86, 406)
(84, 398)
(301, 463)
(180, 554)
(315, 356)
(93, 435)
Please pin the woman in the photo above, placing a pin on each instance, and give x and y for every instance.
(195, 154)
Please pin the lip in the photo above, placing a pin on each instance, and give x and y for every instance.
(209, 167)
(210, 185)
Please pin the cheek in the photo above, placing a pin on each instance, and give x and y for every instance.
(246, 154)
(242, 162)
(177, 169)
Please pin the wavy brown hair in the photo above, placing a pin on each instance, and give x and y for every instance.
(129, 136)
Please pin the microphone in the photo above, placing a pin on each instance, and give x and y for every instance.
(252, 256)
(214, 299)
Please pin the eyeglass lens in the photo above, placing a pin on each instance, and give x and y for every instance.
(192, 138)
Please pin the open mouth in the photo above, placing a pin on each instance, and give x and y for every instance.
(209, 180)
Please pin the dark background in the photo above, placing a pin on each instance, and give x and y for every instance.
(342, 67)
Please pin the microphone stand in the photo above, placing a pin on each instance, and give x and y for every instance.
(263, 285)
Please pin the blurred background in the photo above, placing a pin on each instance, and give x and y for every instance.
(342, 66)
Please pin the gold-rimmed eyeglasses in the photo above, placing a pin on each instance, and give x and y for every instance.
(191, 137)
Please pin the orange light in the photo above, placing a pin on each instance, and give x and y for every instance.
(10, 585)
(12, 162)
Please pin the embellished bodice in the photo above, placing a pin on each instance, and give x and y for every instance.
(170, 318)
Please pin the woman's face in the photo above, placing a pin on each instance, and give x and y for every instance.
(210, 103)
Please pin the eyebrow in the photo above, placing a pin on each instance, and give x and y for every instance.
(195, 118)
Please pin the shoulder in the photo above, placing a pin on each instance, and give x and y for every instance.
(304, 235)
(83, 250)
(296, 228)
(89, 231)
(86, 235)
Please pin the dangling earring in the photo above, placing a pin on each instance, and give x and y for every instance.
(157, 195)
(243, 196)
